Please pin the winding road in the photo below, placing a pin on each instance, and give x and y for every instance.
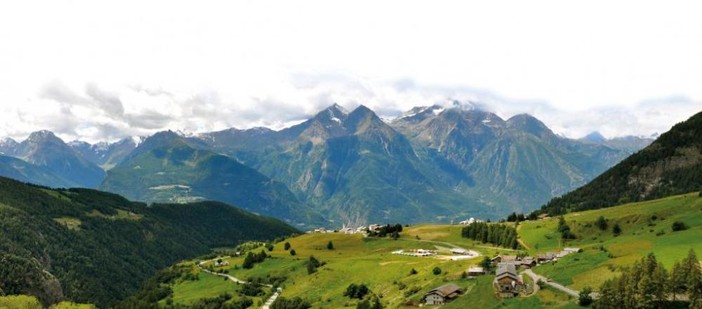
(556, 285)
(270, 300)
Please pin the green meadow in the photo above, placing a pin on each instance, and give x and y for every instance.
(646, 227)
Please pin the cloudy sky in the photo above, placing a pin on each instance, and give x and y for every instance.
(98, 70)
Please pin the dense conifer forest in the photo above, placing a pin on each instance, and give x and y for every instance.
(95, 247)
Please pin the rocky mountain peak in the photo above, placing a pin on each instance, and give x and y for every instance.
(43, 136)
(595, 137)
(529, 124)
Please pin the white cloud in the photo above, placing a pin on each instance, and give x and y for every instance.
(213, 64)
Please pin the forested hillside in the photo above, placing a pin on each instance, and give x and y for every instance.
(670, 165)
(96, 247)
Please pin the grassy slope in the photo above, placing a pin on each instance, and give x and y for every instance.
(361, 260)
(354, 260)
(639, 237)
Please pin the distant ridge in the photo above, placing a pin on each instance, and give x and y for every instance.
(671, 165)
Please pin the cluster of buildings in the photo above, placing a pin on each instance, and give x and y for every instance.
(528, 261)
(469, 221)
(347, 230)
(507, 281)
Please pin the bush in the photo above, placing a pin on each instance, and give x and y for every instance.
(679, 226)
(251, 289)
(293, 303)
(356, 291)
(312, 265)
(330, 245)
(584, 299)
(292, 252)
(616, 230)
(286, 246)
(601, 223)
(413, 272)
(436, 271)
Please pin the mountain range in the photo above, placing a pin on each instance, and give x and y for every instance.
(431, 164)
(671, 165)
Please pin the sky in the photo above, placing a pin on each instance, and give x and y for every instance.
(100, 71)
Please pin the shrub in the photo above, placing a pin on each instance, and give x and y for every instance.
(436, 271)
(292, 252)
(616, 230)
(679, 226)
(356, 291)
(292, 303)
(330, 245)
(601, 223)
(584, 299)
(287, 246)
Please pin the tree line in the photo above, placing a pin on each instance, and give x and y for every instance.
(647, 284)
(497, 234)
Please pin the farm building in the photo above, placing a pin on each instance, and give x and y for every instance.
(528, 262)
(541, 258)
(442, 294)
(507, 282)
(475, 271)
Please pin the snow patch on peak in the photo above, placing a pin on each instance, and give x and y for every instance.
(437, 111)
(101, 146)
(185, 133)
(259, 130)
(137, 140)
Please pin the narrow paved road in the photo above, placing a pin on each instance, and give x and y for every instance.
(270, 301)
(556, 285)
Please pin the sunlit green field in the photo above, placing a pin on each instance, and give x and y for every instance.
(354, 259)
(646, 227)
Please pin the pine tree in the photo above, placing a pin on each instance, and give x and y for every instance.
(678, 279)
(609, 296)
(660, 280)
(694, 279)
